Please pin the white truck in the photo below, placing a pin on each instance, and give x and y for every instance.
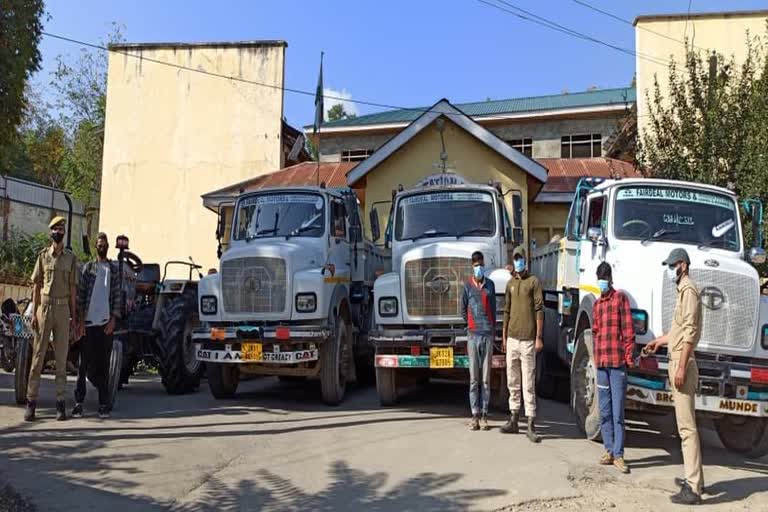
(633, 224)
(294, 293)
(433, 230)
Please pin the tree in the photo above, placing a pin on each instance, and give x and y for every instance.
(713, 126)
(337, 112)
(20, 31)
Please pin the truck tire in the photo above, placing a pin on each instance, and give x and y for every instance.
(743, 435)
(386, 386)
(179, 369)
(222, 379)
(334, 358)
(584, 400)
(546, 384)
(499, 390)
(115, 369)
(23, 367)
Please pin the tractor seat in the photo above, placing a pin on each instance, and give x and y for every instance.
(148, 278)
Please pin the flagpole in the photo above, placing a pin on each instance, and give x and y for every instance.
(319, 115)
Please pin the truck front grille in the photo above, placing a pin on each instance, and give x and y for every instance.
(433, 286)
(729, 307)
(254, 285)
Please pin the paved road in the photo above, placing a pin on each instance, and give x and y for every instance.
(276, 447)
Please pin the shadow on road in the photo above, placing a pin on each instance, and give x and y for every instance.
(349, 489)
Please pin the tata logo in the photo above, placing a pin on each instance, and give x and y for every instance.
(252, 284)
(712, 298)
(439, 285)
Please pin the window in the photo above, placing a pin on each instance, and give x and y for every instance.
(581, 146)
(355, 155)
(525, 146)
(338, 220)
(595, 215)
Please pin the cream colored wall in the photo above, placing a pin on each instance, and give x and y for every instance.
(467, 156)
(547, 220)
(724, 34)
(173, 135)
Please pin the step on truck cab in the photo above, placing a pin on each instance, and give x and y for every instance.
(633, 224)
(433, 230)
(293, 294)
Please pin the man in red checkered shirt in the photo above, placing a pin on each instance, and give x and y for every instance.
(614, 338)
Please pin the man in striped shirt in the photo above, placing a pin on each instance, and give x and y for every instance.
(614, 340)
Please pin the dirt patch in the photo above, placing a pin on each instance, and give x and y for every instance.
(11, 501)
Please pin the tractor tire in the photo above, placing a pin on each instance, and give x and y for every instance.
(546, 384)
(334, 361)
(23, 367)
(584, 399)
(115, 369)
(743, 435)
(222, 379)
(179, 369)
(386, 386)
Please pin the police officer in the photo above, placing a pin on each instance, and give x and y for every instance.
(54, 303)
(683, 372)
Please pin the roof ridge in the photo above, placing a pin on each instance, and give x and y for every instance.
(609, 89)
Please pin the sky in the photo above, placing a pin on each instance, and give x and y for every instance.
(403, 53)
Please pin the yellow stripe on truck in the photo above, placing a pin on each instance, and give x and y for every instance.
(589, 288)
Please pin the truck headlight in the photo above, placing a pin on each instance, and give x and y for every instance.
(306, 302)
(640, 321)
(764, 341)
(208, 305)
(388, 306)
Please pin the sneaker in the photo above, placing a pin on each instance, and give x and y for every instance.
(29, 414)
(606, 459)
(61, 413)
(511, 426)
(619, 463)
(484, 423)
(77, 410)
(474, 424)
(686, 496)
(103, 413)
(682, 482)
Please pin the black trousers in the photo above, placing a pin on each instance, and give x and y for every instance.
(95, 349)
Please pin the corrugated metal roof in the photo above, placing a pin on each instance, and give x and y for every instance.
(564, 173)
(601, 97)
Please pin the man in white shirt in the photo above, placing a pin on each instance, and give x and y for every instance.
(98, 308)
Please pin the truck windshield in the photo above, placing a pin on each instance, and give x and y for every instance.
(674, 214)
(434, 214)
(280, 214)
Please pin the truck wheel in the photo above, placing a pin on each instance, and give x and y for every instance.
(743, 435)
(334, 357)
(222, 379)
(499, 390)
(23, 367)
(386, 386)
(115, 369)
(584, 399)
(546, 384)
(179, 368)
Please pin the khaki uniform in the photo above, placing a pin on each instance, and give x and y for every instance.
(56, 276)
(686, 328)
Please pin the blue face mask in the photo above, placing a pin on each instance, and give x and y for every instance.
(519, 265)
(603, 284)
(479, 271)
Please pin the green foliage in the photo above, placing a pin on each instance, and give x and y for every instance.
(18, 255)
(337, 112)
(712, 126)
(20, 31)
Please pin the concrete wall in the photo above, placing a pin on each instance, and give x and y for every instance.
(173, 135)
(467, 156)
(545, 134)
(724, 33)
(30, 219)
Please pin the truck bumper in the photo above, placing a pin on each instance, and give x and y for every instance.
(263, 345)
(724, 388)
(417, 348)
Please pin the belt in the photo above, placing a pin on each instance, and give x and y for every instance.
(53, 301)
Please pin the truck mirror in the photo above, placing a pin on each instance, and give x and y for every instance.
(757, 255)
(595, 235)
(375, 228)
(221, 226)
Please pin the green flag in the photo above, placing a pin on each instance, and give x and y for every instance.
(319, 99)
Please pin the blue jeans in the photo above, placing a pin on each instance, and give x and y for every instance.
(612, 390)
(479, 348)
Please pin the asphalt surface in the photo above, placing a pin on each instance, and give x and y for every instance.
(276, 447)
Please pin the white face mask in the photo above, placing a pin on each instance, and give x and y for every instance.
(672, 274)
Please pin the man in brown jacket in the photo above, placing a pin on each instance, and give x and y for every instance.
(521, 339)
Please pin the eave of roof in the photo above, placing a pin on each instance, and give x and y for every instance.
(211, 44)
(700, 15)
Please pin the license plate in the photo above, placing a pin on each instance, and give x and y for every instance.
(251, 351)
(441, 357)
